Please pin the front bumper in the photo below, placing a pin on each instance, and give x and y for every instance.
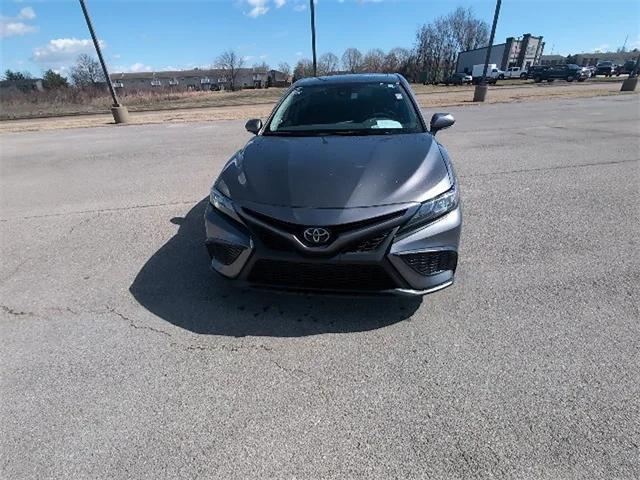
(421, 262)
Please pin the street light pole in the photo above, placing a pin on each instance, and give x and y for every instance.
(480, 92)
(313, 36)
(120, 113)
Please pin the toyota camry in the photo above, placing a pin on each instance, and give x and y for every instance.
(343, 188)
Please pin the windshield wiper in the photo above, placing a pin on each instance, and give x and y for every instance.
(297, 133)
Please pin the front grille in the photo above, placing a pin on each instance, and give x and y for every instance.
(225, 253)
(431, 263)
(368, 244)
(298, 230)
(321, 276)
(271, 240)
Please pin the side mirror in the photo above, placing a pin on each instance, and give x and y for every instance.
(254, 125)
(440, 121)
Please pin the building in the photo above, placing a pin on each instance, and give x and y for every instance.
(584, 59)
(514, 52)
(199, 79)
(553, 60)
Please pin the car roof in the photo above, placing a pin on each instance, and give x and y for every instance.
(350, 78)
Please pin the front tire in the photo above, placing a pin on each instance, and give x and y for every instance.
(570, 78)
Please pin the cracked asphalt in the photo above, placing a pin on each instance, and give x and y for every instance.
(122, 356)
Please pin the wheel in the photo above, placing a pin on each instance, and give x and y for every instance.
(501, 77)
(523, 76)
(570, 78)
(581, 79)
(549, 80)
(537, 79)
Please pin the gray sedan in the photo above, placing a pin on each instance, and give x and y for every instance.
(344, 188)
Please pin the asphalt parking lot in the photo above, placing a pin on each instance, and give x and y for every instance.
(122, 356)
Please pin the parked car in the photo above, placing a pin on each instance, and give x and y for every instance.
(606, 68)
(626, 68)
(592, 70)
(344, 188)
(459, 79)
(568, 72)
(516, 72)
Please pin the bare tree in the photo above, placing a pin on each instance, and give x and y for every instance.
(373, 60)
(262, 66)
(438, 43)
(352, 60)
(328, 63)
(397, 61)
(285, 68)
(304, 68)
(86, 71)
(469, 32)
(231, 63)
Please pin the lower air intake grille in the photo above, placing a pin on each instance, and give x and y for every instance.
(431, 263)
(225, 253)
(321, 276)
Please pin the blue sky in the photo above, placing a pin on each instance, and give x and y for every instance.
(161, 34)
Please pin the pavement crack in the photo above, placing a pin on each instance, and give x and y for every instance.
(133, 324)
(102, 210)
(545, 169)
(225, 347)
(16, 313)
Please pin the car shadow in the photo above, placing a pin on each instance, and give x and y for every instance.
(177, 285)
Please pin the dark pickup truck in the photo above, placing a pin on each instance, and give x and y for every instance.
(568, 72)
(628, 67)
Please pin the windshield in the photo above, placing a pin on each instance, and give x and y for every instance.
(348, 109)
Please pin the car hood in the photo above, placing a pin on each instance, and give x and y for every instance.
(336, 171)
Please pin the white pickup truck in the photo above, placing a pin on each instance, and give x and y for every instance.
(516, 72)
(493, 73)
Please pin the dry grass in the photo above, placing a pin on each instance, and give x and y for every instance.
(18, 105)
(258, 103)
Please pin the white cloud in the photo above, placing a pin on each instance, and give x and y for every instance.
(10, 29)
(63, 51)
(14, 26)
(280, 3)
(135, 68)
(258, 7)
(27, 13)
(602, 48)
(139, 67)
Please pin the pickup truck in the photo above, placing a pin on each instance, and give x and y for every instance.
(516, 72)
(493, 73)
(568, 72)
(606, 68)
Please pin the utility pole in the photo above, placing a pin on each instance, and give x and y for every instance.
(120, 113)
(480, 92)
(313, 36)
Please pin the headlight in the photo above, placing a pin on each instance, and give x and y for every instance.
(432, 209)
(222, 203)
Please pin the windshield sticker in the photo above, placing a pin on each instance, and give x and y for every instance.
(387, 124)
(399, 96)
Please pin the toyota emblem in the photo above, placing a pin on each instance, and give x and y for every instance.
(317, 235)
